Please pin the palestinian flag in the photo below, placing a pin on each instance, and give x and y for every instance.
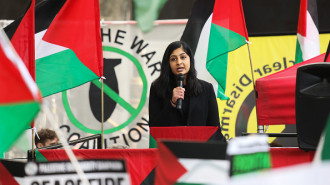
(323, 148)
(308, 42)
(325, 151)
(21, 35)
(248, 154)
(140, 162)
(68, 44)
(186, 133)
(191, 163)
(11, 169)
(19, 97)
(218, 25)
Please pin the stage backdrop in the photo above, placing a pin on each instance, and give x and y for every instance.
(132, 62)
(270, 54)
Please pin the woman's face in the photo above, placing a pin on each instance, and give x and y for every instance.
(179, 62)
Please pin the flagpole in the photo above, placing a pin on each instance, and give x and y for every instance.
(64, 142)
(260, 128)
(102, 114)
(33, 141)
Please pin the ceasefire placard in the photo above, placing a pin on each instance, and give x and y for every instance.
(97, 172)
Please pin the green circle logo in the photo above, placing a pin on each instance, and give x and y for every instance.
(114, 96)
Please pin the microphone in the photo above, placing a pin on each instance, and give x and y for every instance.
(180, 79)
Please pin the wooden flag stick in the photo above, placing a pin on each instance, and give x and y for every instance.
(33, 132)
(65, 144)
(102, 114)
(260, 128)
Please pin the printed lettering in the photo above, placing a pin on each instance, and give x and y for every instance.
(267, 69)
(235, 94)
(156, 67)
(119, 36)
(138, 44)
(130, 135)
(230, 103)
(224, 124)
(149, 56)
(245, 80)
(108, 34)
(226, 110)
(277, 66)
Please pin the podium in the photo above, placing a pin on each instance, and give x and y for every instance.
(186, 133)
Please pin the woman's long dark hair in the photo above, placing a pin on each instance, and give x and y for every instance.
(167, 81)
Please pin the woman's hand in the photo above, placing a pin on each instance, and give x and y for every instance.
(178, 93)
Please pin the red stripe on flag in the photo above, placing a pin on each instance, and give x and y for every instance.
(139, 162)
(184, 133)
(77, 27)
(14, 88)
(230, 15)
(6, 177)
(23, 40)
(302, 22)
(168, 169)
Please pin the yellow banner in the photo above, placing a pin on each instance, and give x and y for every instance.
(268, 55)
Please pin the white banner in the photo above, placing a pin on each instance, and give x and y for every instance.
(97, 172)
(132, 61)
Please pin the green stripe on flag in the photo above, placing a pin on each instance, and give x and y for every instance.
(221, 42)
(40, 157)
(325, 155)
(218, 69)
(61, 71)
(186, 183)
(152, 142)
(299, 57)
(23, 114)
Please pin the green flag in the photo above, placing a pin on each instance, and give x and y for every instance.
(146, 12)
(323, 148)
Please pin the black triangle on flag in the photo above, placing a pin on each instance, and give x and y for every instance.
(189, 162)
(11, 169)
(197, 150)
(200, 13)
(21, 35)
(12, 27)
(46, 12)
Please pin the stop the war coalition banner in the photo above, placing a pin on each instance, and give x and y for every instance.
(132, 61)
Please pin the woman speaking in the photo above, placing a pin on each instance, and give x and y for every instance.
(198, 104)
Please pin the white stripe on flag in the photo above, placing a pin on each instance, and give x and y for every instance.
(201, 54)
(205, 171)
(310, 45)
(317, 157)
(43, 48)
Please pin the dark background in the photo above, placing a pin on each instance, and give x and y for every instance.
(263, 17)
